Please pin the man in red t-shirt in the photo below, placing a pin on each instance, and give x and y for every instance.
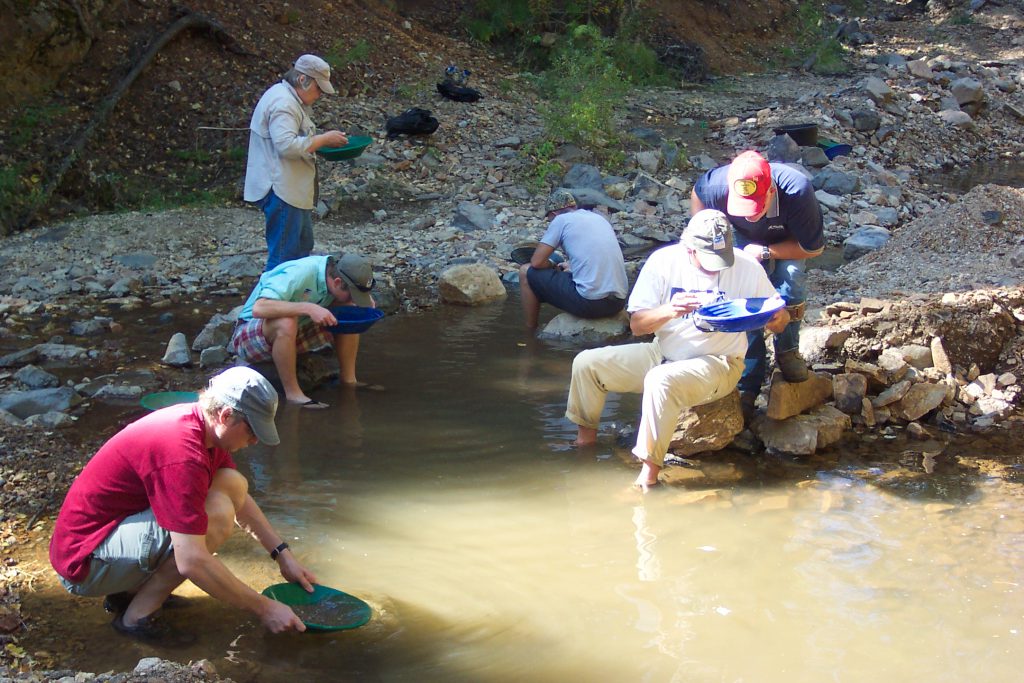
(156, 501)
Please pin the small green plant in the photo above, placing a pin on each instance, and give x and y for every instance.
(546, 168)
(639, 64)
(26, 125)
(962, 19)
(339, 56)
(199, 156)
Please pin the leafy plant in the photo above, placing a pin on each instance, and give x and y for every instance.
(582, 89)
(27, 124)
(339, 56)
(545, 167)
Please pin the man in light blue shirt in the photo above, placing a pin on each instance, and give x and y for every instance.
(280, 175)
(592, 283)
(288, 313)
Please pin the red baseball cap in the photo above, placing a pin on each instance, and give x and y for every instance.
(750, 178)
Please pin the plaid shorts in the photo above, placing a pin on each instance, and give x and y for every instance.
(249, 343)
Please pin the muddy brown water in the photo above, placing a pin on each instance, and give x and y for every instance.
(491, 551)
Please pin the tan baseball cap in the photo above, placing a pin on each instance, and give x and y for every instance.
(317, 69)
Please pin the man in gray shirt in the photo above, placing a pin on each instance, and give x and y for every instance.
(592, 282)
(280, 175)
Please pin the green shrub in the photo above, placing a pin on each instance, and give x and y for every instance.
(582, 89)
(340, 56)
(545, 170)
(494, 20)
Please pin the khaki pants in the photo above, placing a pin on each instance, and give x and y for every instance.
(668, 388)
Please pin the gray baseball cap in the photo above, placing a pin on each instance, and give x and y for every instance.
(357, 273)
(247, 391)
(709, 233)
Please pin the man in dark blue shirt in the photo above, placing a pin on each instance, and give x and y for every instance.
(778, 221)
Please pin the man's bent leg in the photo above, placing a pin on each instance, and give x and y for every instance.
(346, 348)
(755, 364)
(225, 498)
(529, 300)
(595, 372)
(281, 334)
(790, 280)
(668, 389)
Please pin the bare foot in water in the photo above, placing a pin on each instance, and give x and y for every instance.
(648, 477)
(585, 436)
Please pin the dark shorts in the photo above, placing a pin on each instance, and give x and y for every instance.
(556, 287)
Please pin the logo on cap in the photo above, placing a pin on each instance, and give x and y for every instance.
(745, 187)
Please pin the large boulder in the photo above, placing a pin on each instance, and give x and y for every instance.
(708, 427)
(470, 285)
(566, 326)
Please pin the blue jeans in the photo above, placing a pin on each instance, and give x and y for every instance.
(790, 281)
(289, 230)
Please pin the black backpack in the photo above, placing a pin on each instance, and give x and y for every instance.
(413, 121)
(456, 92)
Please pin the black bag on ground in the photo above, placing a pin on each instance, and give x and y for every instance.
(413, 121)
(459, 93)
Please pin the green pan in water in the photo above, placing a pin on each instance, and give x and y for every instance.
(325, 609)
(163, 399)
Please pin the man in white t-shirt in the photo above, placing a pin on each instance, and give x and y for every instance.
(684, 366)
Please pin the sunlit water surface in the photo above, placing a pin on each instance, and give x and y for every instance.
(491, 551)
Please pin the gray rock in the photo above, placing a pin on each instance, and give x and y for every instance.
(958, 119)
(137, 260)
(649, 160)
(849, 390)
(48, 420)
(19, 358)
(864, 240)
(803, 434)
(241, 265)
(583, 176)
(587, 197)
(878, 90)
(37, 401)
(814, 157)
(566, 326)
(471, 217)
(89, 328)
(782, 148)
(213, 356)
(836, 182)
(217, 331)
(919, 400)
(177, 353)
(967, 90)
(118, 392)
(921, 69)
(830, 200)
(511, 141)
(35, 377)
(866, 120)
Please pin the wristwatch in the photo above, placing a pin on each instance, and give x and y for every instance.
(766, 253)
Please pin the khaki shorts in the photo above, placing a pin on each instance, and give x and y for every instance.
(126, 558)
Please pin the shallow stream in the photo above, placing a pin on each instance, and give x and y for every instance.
(492, 551)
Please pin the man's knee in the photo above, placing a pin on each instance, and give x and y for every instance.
(231, 484)
(278, 328)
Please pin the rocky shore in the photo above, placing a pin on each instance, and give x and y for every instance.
(920, 330)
